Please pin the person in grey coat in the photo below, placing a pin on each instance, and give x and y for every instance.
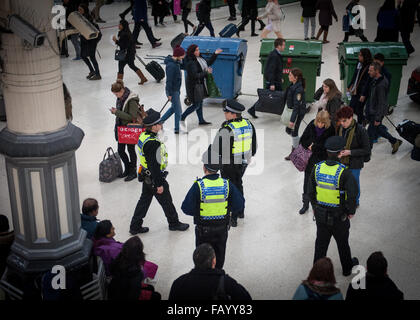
(377, 107)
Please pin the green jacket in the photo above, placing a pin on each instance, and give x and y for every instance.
(129, 112)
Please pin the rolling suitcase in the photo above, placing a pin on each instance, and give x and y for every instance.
(408, 130)
(177, 40)
(228, 31)
(154, 69)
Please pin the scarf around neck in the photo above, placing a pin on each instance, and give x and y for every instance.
(348, 135)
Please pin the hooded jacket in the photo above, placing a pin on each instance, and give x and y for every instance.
(173, 75)
(377, 100)
(108, 249)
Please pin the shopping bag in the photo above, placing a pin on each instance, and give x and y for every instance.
(212, 89)
(300, 157)
(130, 133)
(286, 115)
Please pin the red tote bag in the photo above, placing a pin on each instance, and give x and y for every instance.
(129, 134)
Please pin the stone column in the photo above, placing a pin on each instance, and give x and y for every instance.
(39, 147)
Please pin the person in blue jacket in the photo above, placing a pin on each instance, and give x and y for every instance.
(210, 201)
(173, 84)
(140, 20)
(90, 210)
(320, 284)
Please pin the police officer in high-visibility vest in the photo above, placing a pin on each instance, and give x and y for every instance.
(333, 191)
(210, 201)
(153, 162)
(236, 144)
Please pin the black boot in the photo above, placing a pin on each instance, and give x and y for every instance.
(126, 171)
(305, 200)
(262, 24)
(132, 174)
(253, 34)
(251, 111)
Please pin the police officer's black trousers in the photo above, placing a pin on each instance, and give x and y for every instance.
(164, 199)
(216, 237)
(235, 173)
(340, 231)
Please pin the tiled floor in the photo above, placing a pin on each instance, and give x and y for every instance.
(271, 250)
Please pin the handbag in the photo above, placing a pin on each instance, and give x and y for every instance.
(212, 89)
(120, 54)
(300, 157)
(110, 168)
(198, 92)
(130, 133)
(270, 101)
(286, 115)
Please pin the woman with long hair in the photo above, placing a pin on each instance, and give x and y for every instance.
(197, 69)
(126, 43)
(88, 47)
(320, 284)
(358, 83)
(329, 98)
(126, 111)
(128, 274)
(313, 138)
(295, 100)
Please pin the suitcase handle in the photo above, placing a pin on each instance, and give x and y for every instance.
(164, 106)
(141, 60)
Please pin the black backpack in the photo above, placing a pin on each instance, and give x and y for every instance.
(220, 293)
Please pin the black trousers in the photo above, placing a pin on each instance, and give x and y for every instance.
(123, 63)
(405, 36)
(201, 26)
(357, 33)
(235, 173)
(92, 64)
(340, 231)
(164, 199)
(185, 13)
(232, 9)
(217, 238)
(136, 31)
(132, 162)
(358, 108)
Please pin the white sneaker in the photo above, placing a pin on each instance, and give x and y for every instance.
(183, 125)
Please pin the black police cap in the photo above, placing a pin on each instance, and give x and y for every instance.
(206, 159)
(152, 118)
(335, 144)
(234, 106)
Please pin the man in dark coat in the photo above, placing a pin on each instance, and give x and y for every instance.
(273, 71)
(407, 10)
(203, 17)
(377, 107)
(90, 210)
(249, 12)
(140, 20)
(378, 284)
(205, 282)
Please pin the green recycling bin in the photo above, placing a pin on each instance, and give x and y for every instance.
(305, 55)
(395, 58)
(217, 3)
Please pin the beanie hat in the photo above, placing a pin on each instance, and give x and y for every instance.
(178, 51)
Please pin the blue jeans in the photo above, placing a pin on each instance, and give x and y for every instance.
(175, 108)
(356, 174)
(375, 132)
(198, 108)
(74, 38)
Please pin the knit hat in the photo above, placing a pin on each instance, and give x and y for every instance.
(178, 51)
